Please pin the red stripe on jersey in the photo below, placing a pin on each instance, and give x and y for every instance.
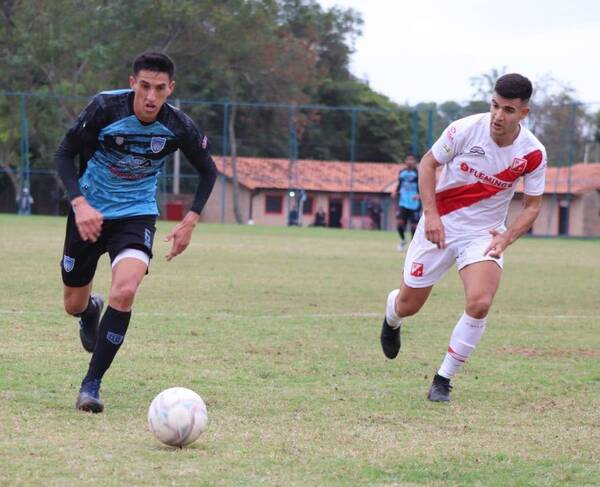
(453, 199)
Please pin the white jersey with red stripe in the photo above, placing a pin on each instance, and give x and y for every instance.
(479, 178)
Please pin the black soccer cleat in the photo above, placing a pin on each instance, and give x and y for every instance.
(88, 329)
(440, 389)
(89, 397)
(390, 340)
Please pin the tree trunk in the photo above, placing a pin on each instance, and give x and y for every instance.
(233, 159)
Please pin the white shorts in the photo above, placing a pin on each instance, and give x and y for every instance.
(425, 264)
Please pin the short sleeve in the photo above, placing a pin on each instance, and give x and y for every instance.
(534, 178)
(449, 143)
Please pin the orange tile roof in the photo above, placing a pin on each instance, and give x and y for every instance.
(332, 176)
(335, 176)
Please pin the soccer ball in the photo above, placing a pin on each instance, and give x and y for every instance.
(177, 416)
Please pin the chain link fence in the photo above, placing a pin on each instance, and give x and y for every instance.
(32, 125)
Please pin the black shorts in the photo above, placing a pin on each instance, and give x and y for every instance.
(407, 215)
(80, 258)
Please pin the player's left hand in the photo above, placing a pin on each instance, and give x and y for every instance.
(181, 235)
(498, 244)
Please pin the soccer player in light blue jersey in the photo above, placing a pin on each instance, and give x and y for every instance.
(123, 139)
(407, 199)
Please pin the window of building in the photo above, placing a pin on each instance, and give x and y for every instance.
(359, 206)
(273, 203)
(307, 207)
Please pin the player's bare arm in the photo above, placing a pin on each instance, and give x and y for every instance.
(530, 211)
(181, 235)
(87, 218)
(434, 228)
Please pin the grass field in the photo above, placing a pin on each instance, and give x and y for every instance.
(278, 330)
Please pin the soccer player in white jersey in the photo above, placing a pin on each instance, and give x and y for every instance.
(482, 157)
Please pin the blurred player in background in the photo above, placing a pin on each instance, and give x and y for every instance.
(483, 157)
(407, 198)
(123, 139)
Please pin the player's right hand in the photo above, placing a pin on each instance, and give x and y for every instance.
(434, 231)
(88, 219)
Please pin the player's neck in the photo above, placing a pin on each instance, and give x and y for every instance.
(506, 139)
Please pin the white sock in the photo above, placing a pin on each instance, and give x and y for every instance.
(393, 320)
(464, 339)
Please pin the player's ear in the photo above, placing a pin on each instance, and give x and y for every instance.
(524, 111)
(171, 86)
(132, 81)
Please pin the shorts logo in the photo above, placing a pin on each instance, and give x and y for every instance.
(148, 238)
(518, 165)
(68, 263)
(417, 269)
(114, 338)
(157, 144)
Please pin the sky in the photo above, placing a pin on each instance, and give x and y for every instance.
(427, 50)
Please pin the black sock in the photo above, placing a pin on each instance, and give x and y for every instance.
(88, 312)
(113, 327)
(400, 229)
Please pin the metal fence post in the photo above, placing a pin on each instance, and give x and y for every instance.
(415, 132)
(24, 195)
(352, 159)
(224, 162)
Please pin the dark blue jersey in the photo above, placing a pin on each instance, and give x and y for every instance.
(121, 157)
(408, 189)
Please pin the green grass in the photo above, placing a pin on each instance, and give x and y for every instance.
(277, 329)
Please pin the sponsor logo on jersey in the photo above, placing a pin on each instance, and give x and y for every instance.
(417, 269)
(157, 144)
(204, 142)
(450, 133)
(518, 165)
(68, 263)
(114, 338)
(446, 148)
(476, 151)
(491, 180)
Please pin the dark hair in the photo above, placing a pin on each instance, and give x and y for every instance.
(154, 61)
(514, 85)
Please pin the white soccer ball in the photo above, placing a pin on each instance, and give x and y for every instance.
(177, 416)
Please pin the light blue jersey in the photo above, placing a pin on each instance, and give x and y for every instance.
(122, 157)
(408, 189)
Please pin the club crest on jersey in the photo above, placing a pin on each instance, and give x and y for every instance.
(518, 165)
(417, 269)
(68, 263)
(157, 144)
(119, 140)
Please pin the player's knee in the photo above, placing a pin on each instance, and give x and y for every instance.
(74, 305)
(123, 294)
(479, 307)
(407, 306)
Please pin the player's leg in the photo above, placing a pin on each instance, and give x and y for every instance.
(78, 267)
(401, 303)
(425, 265)
(127, 274)
(414, 219)
(400, 226)
(129, 244)
(481, 280)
